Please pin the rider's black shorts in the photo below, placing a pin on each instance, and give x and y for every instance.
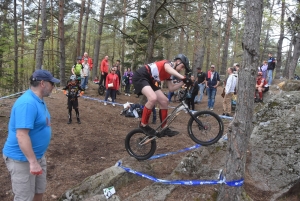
(72, 103)
(141, 78)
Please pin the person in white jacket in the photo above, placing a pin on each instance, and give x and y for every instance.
(229, 91)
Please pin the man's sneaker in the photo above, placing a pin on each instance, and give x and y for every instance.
(70, 121)
(109, 99)
(128, 94)
(113, 105)
(125, 94)
(105, 103)
(169, 132)
(78, 121)
(148, 130)
(211, 109)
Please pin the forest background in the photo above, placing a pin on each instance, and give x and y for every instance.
(51, 34)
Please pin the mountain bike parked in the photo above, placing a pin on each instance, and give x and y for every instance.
(204, 128)
(101, 89)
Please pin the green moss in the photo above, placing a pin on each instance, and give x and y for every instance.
(273, 104)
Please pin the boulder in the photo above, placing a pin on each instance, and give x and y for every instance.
(274, 165)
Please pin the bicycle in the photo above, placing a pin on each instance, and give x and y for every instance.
(101, 89)
(204, 128)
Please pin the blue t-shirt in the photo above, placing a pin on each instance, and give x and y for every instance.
(28, 112)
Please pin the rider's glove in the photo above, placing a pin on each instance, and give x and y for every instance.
(187, 81)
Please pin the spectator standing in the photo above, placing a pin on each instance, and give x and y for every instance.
(118, 72)
(212, 82)
(271, 67)
(85, 74)
(77, 69)
(111, 85)
(264, 69)
(96, 80)
(88, 59)
(201, 84)
(73, 90)
(104, 66)
(229, 91)
(128, 74)
(29, 135)
(193, 91)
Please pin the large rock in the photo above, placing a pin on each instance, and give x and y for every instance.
(274, 165)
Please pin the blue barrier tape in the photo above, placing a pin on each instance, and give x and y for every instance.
(3, 97)
(221, 180)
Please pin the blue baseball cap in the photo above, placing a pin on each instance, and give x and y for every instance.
(44, 75)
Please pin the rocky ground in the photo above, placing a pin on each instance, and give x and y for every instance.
(81, 150)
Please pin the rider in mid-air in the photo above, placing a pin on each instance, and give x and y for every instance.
(144, 83)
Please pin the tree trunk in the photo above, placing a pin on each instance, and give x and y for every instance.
(124, 31)
(134, 54)
(223, 67)
(181, 37)
(98, 39)
(22, 49)
(236, 38)
(52, 63)
(270, 21)
(42, 39)
(16, 81)
(288, 59)
(77, 50)
(62, 57)
(36, 32)
(295, 57)
(208, 45)
(87, 13)
(150, 46)
(240, 129)
(197, 41)
(278, 73)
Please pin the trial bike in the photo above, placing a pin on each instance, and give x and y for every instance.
(204, 128)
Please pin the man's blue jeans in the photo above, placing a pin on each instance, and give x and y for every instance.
(199, 97)
(270, 77)
(211, 94)
(84, 81)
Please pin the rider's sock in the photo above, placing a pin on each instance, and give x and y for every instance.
(260, 95)
(163, 113)
(146, 115)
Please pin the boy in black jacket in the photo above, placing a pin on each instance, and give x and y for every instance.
(73, 91)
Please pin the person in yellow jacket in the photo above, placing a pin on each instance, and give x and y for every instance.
(73, 90)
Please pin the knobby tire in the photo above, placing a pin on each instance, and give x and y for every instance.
(140, 152)
(211, 130)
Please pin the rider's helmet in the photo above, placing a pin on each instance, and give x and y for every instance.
(259, 73)
(73, 78)
(185, 62)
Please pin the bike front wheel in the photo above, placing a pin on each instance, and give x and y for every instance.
(138, 145)
(205, 128)
(101, 90)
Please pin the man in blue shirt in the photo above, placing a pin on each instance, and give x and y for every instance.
(271, 67)
(29, 134)
(212, 82)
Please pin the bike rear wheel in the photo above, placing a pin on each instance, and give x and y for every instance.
(101, 90)
(134, 147)
(208, 130)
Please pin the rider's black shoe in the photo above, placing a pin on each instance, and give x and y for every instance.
(78, 121)
(70, 121)
(148, 130)
(169, 132)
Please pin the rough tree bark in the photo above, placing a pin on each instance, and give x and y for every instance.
(98, 39)
(62, 57)
(223, 66)
(280, 41)
(87, 13)
(197, 40)
(42, 39)
(240, 129)
(295, 57)
(16, 45)
(77, 50)
(36, 32)
(151, 32)
(124, 31)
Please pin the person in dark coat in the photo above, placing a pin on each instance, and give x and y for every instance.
(192, 93)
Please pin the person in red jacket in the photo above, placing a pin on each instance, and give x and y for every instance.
(89, 60)
(104, 66)
(260, 87)
(144, 83)
(111, 85)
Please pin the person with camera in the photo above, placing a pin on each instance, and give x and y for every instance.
(144, 83)
(111, 85)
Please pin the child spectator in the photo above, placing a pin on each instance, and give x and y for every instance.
(261, 86)
(84, 74)
(111, 85)
(96, 80)
(73, 91)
